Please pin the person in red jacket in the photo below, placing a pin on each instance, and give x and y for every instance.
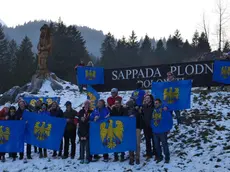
(114, 96)
(3, 116)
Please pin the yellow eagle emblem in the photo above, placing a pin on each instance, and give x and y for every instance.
(171, 95)
(49, 101)
(4, 134)
(90, 74)
(157, 118)
(92, 100)
(42, 131)
(33, 102)
(225, 72)
(111, 135)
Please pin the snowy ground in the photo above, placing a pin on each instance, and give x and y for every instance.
(201, 144)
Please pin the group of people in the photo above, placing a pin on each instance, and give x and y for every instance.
(141, 105)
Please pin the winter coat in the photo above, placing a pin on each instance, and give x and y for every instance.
(3, 114)
(102, 113)
(19, 113)
(111, 100)
(118, 111)
(147, 114)
(56, 113)
(70, 126)
(83, 130)
(138, 96)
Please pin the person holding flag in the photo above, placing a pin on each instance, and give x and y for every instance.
(161, 124)
(3, 116)
(138, 94)
(43, 111)
(19, 113)
(70, 131)
(100, 112)
(171, 78)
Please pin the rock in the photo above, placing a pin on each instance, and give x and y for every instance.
(10, 95)
(36, 84)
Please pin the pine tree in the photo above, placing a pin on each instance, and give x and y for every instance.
(226, 47)
(25, 63)
(108, 46)
(159, 53)
(121, 52)
(146, 50)
(187, 51)
(195, 39)
(174, 48)
(133, 50)
(203, 44)
(4, 62)
(68, 49)
(12, 50)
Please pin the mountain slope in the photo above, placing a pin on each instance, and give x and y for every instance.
(93, 37)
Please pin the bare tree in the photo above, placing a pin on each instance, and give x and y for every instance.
(223, 18)
(205, 26)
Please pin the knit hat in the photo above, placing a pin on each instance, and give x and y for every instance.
(114, 90)
(7, 105)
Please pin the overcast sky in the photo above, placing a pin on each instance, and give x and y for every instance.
(157, 18)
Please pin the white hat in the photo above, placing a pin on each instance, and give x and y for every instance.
(7, 105)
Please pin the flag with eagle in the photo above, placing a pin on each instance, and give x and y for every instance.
(12, 136)
(44, 131)
(221, 73)
(114, 134)
(176, 95)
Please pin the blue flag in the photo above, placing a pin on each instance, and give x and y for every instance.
(221, 72)
(44, 131)
(115, 134)
(161, 121)
(49, 100)
(12, 136)
(92, 96)
(176, 95)
(90, 75)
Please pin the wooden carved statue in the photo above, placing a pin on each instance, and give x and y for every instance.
(44, 49)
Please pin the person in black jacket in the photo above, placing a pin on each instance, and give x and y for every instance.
(147, 110)
(22, 107)
(133, 112)
(55, 111)
(70, 131)
(83, 133)
(118, 110)
(12, 116)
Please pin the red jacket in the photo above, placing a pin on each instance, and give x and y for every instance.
(111, 100)
(78, 66)
(3, 114)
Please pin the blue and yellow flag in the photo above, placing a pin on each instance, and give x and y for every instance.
(49, 100)
(115, 134)
(221, 72)
(90, 75)
(44, 131)
(176, 95)
(12, 136)
(162, 121)
(92, 96)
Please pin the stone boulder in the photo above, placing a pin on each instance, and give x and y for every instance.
(10, 95)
